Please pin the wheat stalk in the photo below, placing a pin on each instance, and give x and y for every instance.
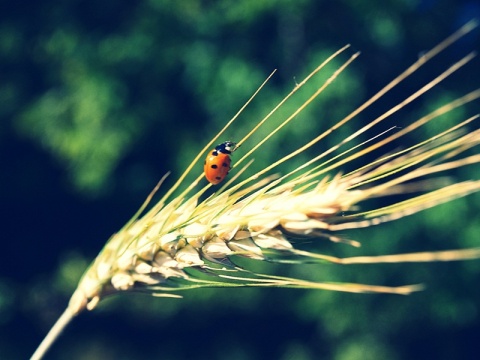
(184, 242)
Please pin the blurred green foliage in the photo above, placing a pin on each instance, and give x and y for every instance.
(100, 99)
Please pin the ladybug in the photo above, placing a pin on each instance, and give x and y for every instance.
(217, 163)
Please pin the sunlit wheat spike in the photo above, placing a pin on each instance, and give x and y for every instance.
(191, 241)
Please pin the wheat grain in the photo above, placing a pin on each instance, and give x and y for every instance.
(167, 248)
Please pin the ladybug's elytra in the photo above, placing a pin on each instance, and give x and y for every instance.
(217, 163)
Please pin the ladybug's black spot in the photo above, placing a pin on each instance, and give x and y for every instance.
(224, 164)
(218, 178)
(214, 166)
(215, 153)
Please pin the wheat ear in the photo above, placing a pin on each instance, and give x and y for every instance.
(187, 242)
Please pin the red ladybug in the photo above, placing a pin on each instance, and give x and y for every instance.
(217, 163)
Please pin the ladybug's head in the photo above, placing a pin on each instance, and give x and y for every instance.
(227, 147)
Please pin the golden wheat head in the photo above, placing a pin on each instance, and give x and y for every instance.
(191, 240)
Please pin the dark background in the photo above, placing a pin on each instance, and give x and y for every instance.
(99, 99)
